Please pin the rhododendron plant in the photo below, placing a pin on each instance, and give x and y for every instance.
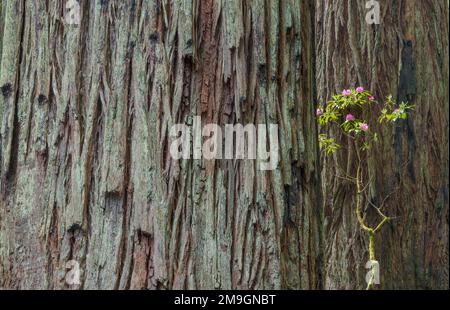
(343, 118)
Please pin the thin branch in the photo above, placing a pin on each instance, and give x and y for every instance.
(385, 219)
(367, 184)
(348, 178)
(342, 171)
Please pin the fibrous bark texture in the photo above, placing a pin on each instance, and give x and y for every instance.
(405, 55)
(85, 170)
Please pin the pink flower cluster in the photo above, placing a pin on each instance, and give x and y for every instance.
(346, 92)
(364, 126)
(350, 117)
(359, 90)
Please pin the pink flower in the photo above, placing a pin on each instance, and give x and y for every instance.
(397, 111)
(346, 92)
(360, 89)
(349, 118)
(319, 111)
(371, 98)
(364, 126)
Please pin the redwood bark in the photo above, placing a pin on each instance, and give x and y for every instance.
(406, 55)
(86, 174)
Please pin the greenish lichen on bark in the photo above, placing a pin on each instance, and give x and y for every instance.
(86, 173)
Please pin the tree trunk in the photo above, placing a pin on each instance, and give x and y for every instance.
(86, 174)
(406, 55)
